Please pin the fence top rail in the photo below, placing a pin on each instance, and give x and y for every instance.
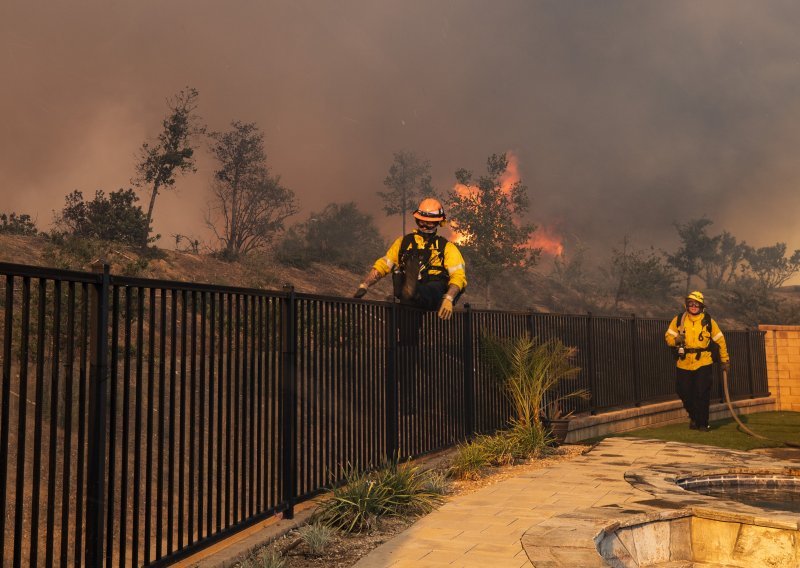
(23, 270)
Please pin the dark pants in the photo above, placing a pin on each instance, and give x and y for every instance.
(429, 294)
(694, 390)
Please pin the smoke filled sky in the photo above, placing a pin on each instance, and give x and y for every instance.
(625, 116)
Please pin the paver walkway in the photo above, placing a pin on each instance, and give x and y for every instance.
(485, 528)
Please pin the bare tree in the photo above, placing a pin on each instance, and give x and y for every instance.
(173, 153)
(249, 205)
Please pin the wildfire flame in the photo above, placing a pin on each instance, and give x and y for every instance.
(545, 237)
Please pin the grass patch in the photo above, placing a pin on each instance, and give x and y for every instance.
(725, 433)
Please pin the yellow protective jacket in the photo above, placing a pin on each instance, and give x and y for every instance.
(697, 337)
(450, 260)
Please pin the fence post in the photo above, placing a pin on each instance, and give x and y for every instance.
(750, 364)
(98, 385)
(590, 359)
(288, 401)
(469, 375)
(637, 394)
(391, 442)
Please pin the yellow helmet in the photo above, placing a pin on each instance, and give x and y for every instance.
(697, 296)
(430, 210)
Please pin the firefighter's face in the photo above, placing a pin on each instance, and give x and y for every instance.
(693, 307)
(427, 226)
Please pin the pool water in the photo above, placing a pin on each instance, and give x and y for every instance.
(770, 495)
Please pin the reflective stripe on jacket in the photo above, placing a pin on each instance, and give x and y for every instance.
(697, 337)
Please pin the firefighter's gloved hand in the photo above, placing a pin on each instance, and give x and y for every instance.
(362, 290)
(726, 366)
(680, 340)
(446, 309)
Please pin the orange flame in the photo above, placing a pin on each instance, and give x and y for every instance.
(545, 237)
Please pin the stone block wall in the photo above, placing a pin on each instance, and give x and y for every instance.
(783, 364)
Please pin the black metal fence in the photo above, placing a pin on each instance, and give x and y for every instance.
(142, 419)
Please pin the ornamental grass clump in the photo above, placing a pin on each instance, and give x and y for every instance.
(395, 490)
(517, 444)
(317, 537)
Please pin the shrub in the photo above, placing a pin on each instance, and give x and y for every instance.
(13, 224)
(531, 372)
(340, 235)
(394, 490)
(114, 218)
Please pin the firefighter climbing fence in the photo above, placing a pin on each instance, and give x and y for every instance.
(143, 419)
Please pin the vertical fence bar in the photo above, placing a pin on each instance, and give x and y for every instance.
(112, 420)
(68, 388)
(125, 450)
(182, 424)
(469, 375)
(192, 419)
(289, 405)
(591, 362)
(637, 391)
(5, 413)
(98, 349)
(391, 442)
(173, 377)
(82, 421)
(750, 363)
(53, 450)
(148, 480)
(33, 558)
(137, 444)
(20, 499)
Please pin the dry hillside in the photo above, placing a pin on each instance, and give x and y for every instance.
(534, 291)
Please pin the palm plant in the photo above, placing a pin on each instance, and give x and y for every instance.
(531, 370)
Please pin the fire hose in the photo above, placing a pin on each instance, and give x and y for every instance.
(742, 427)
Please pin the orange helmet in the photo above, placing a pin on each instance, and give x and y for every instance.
(430, 210)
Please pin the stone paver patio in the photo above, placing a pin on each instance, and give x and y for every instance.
(550, 517)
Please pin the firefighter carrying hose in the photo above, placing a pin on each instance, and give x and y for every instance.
(696, 337)
(429, 268)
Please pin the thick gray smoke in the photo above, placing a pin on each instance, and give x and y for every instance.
(625, 116)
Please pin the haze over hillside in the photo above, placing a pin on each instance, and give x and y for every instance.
(625, 116)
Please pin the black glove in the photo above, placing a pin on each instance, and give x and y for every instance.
(680, 340)
(361, 292)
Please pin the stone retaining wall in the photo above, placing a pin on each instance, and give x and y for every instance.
(783, 364)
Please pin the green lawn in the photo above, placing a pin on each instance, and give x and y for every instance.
(725, 433)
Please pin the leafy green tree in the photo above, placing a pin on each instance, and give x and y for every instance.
(173, 152)
(114, 218)
(408, 182)
(485, 215)
(340, 235)
(696, 247)
(13, 224)
(641, 274)
(249, 205)
(770, 266)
